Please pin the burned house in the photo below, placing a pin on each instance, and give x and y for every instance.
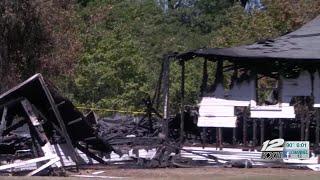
(262, 91)
(265, 90)
(42, 130)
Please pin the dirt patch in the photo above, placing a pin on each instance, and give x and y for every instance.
(206, 173)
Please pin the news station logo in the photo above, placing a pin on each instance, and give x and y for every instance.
(279, 149)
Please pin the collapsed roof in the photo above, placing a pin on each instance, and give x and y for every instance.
(302, 45)
(53, 108)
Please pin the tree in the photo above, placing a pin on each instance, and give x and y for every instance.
(37, 36)
(21, 41)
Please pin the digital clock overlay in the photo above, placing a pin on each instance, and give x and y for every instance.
(279, 149)
(296, 150)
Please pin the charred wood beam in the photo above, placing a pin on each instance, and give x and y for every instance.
(9, 138)
(204, 136)
(234, 136)
(244, 129)
(317, 127)
(90, 154)
(39, 113)
(280, 128)
(261, 131)
(302, 127)
(217, 137)
(57, 128)
(307, 132)
(90, 138)
(35, 129)
(234, 77)
(13, 127)
(255, 134)
(3, 120)
(74, 121)
(59, 104)
(60, 121)
(36, 148)
(166, 83)
(220, 138)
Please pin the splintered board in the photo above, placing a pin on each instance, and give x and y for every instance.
(316, 89)
(286, 112)
(227, 122)
(211, 101)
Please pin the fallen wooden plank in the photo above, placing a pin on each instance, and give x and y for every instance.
(46, 165)
(24, 163)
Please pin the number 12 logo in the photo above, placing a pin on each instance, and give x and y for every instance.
(273, 145)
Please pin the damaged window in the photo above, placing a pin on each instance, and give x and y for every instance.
(267, 90)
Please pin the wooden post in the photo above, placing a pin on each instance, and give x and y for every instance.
(280, 128)
(244, 129)
(182, 133)
(234, 136)
(166, 82)
(317, 127)
(220, 138)
(302, 129)
(261, 131)
(217, 137)
(204, 136)
(254, 138)
(204, 84)
(306, 133)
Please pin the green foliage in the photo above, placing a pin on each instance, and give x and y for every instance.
(281, 16)
(242, 28)
(108, 53)
(124, 45)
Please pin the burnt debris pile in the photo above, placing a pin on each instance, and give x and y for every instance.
(39, 129)
(37, 121)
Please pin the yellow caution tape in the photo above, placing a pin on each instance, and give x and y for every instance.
(111, 110)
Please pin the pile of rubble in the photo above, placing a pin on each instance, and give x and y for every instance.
(42, 132)
(40, 129)
(38, 126)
